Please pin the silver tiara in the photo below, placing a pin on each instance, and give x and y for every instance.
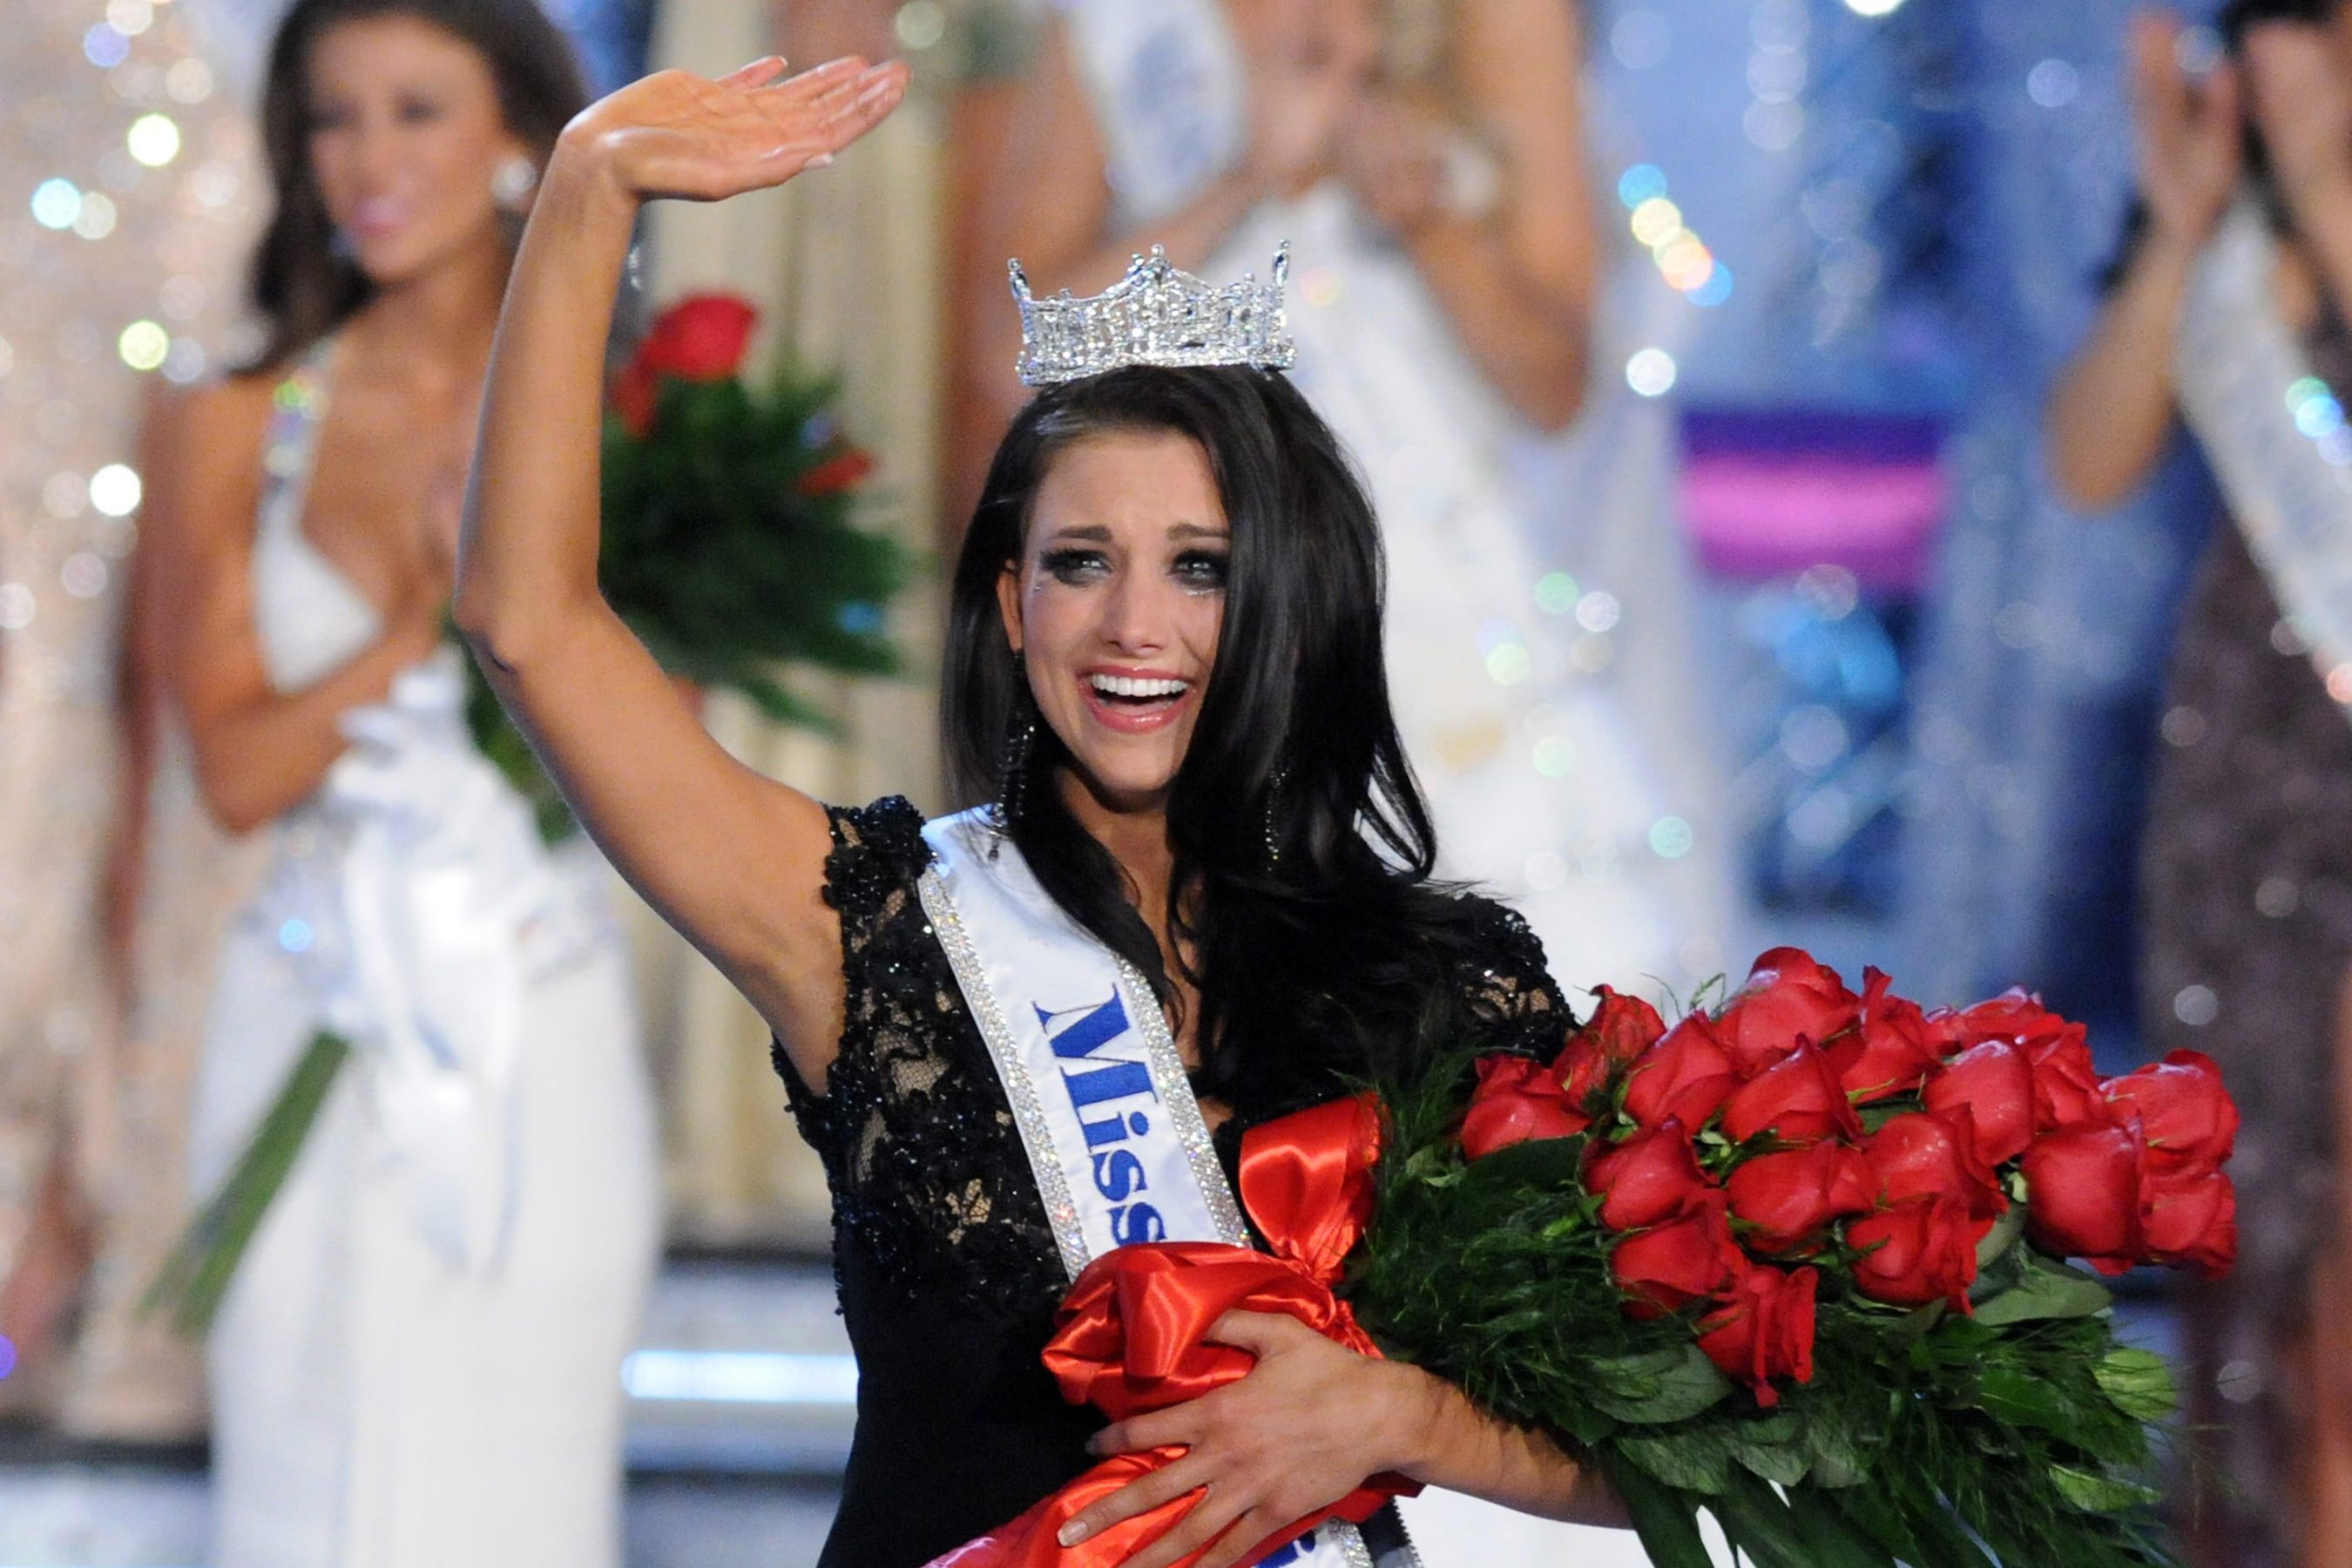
(1155, 315)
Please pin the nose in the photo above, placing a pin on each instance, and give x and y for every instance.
(1137, 613)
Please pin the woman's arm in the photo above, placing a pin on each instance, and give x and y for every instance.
(2301, 98)
(2110, 411)
(1518, 283)
(733, 860)
(258, 752)
(1311, 1421)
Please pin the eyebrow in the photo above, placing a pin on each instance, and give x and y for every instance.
(1094, 533)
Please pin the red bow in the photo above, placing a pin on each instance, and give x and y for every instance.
(1133, 1332)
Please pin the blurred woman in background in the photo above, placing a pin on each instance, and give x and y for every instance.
(418, 1363)
(2230, 308)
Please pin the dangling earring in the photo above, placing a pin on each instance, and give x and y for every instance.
(512, 182)
(1012, 769)
(1273, 803)
(341, 245)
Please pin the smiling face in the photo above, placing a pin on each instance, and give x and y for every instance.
(405, 136)
(1116, 604)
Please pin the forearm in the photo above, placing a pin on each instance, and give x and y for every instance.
(1532, 347)
(2325, 222)
(1454, 1444)
(258, 758)
(2111, 410)
(528, 558)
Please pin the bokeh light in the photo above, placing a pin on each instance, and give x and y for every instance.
(143, 345)
(1651, 372)
(154, 139)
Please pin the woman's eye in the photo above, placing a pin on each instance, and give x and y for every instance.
(333, 119)
(1072, 566)
(417, 111)
(1201, 569)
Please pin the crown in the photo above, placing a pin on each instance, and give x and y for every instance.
(1157, 314)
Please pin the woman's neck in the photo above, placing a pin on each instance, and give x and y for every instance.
(438, 325)
(1137, 837)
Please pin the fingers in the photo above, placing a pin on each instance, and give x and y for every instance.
(1257, 1332)
(1140, 1496)
(1173, 1427)
(1236, 1542)
(755, 73)
(817, 80)
(1209, 1520)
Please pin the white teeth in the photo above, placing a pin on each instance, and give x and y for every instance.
(1138, 686)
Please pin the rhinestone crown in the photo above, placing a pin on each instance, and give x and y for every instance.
(1157, 314)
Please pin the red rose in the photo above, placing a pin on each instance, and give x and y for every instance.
(2066, 1084)
(1764, 1330)
(1682, 1261)
(1788, 998)
(1621, 1027)
(1789, 1198)
(2188, 1118)
(1652, 1177)
(2191, 1222)
(1891, 1052)
(1915, 1252)
(1686, 1076)
(1517, 1098)
(837, 473)
(2082, 1195)
(1925, 1155)
(701, 337)
(1995, 1082)
(1798, 1100)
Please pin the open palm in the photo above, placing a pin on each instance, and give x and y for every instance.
(677, 134)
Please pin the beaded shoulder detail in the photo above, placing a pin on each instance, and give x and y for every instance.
(931, 1189)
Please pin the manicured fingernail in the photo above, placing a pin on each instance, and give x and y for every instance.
(1073, 1533)
(821, 161)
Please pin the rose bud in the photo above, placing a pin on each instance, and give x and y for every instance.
(2192, 1222)
(2066, 1086)
(1621, 1027)
(1926, 1155)
(1764, 1330)
(701, 337)
(1798, 1100)
(1650, 1178)
(1682, 1261)
(1517, 1098)
(2082, 1195)
(1996, 1083)
(1788, 998)
(633, 396)
(1686, 1076)
(1891, 1053)
(2190, 1120)
(1915, 1252)
(2015, 1016)
(1789, 1198)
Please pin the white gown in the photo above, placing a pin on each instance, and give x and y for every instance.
(375, 1403)
(1546, 782)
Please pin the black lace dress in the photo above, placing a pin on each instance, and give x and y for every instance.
(948, 1269)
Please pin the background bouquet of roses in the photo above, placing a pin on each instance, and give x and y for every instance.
(730, 538)
(1802, 1262)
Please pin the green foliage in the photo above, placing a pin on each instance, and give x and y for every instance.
(1928, 1438)
(721, 553)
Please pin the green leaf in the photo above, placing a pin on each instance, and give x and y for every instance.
(1756, 1521)
(2026, 1400)
(1770, 1449)
(1672, 1384)
(1832, 1540)
(1692, 1461)
(2045, 1290)
(2100, 1494)
(1666, 1522)
(2001, 1237)
(2138, 1382)
(1832, 1453)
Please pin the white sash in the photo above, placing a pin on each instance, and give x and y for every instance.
(2243, 381)
(1105, 1113)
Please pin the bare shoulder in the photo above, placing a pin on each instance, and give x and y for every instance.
(204, 452)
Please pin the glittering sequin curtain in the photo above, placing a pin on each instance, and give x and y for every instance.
(130, 170)
(843, 265)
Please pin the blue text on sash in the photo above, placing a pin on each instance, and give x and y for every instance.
(1105, 1089)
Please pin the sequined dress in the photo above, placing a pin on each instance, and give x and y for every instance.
(948, 1269)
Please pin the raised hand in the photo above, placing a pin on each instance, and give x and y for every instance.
(2302, 106)
(1307, 61)
(2188, 133)
(680, 136)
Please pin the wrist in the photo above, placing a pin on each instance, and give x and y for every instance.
(1413, 1411)
(584, 179)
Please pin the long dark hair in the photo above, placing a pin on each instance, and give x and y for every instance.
(299, 285)
(1302, 888)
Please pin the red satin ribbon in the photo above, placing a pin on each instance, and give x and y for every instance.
(1133, 1332)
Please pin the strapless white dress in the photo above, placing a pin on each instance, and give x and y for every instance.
(377, 1405)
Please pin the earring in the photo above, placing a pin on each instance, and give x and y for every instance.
(341, 245)
(1012, 768)
(512, 182)
(1273, 800)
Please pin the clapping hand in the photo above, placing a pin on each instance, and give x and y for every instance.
(2302, 106)
(1307, 61)
(2188, 133)
(679, 135)
(1393, 156)
(1308, 1425)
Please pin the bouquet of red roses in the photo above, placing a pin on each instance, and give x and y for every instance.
(1801, 1263)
